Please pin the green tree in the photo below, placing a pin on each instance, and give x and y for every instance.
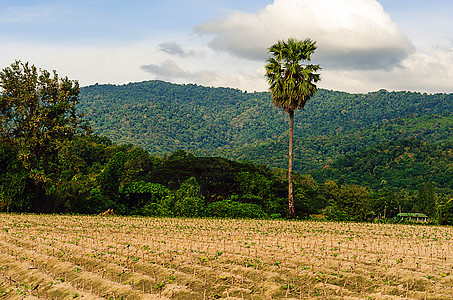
(37, 117)
(385, 203)
(445, 213)
(291, 84)
(426, 199)
(13, 179)
(356, 202)
(142, 198)
(186, 201)
(111, 177)
(37, 111)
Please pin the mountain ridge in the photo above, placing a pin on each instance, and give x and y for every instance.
(164, 117)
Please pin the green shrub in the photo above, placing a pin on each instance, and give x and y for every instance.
(233, 209)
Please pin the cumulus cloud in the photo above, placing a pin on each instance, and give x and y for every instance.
(174, 48)
(169, 70)
(426, 72)
(420, 72)
(351, 34)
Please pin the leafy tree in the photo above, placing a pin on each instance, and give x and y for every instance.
(347, 202)
(37, 111)
(292, 84)
(186, 201)
(142, 198)
(95, 202)
(111, 177)
(37, 117)
(230, 208)
(356, 202)
(253, 184)
(385, 203)
(445, 213)
(138, 165)
(307, 199)
(13, 182)
(80, 194)
(426, 199)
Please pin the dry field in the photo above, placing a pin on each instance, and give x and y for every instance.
(93, 257)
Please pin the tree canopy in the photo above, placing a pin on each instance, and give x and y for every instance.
(291, 82)
(245, 126)
(38, 116)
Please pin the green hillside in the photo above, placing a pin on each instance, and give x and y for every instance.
(162, 117)
(403, 164)
(320, 150)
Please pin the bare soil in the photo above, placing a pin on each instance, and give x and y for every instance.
(113, 257)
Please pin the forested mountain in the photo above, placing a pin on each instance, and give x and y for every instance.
(320, 150)
(398, 165)
(162, 117)
(364, 156)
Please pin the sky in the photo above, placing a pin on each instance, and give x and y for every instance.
(363, 45)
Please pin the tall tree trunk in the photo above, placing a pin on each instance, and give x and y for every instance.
(292, 212)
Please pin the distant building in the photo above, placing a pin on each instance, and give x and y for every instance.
(414, 217)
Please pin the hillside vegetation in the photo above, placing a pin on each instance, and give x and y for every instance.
(402, 164)
(364, 156)
(162, 117)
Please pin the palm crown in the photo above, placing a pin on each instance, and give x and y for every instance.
(291, 83)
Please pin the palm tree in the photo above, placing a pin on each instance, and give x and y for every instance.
(291, 84)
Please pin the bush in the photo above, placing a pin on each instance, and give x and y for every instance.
(185, 202)
(334, 214)
(233, 209)
(140, 197)
(445, 213)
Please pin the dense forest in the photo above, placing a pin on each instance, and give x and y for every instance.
(162, 117)
(161, 149)
(403, 164)
(94, 174)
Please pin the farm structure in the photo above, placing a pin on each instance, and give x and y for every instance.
(413, 217)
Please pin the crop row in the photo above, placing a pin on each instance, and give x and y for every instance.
(50, 256)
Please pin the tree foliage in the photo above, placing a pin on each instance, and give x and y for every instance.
(38, 111)
(37, 118)
(404, 164)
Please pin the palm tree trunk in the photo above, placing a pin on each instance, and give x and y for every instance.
(292, 212)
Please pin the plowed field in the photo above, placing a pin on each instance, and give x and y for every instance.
(94, 257)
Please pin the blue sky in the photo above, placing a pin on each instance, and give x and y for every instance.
(364, 45)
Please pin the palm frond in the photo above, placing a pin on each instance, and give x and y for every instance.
(291, 82)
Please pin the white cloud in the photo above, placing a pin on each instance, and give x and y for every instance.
(170, 71)
(432, 73)
(167, 70)
(350, 33)
(360, 47)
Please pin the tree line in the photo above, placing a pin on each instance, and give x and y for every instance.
(51, 162)
(96, 174)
